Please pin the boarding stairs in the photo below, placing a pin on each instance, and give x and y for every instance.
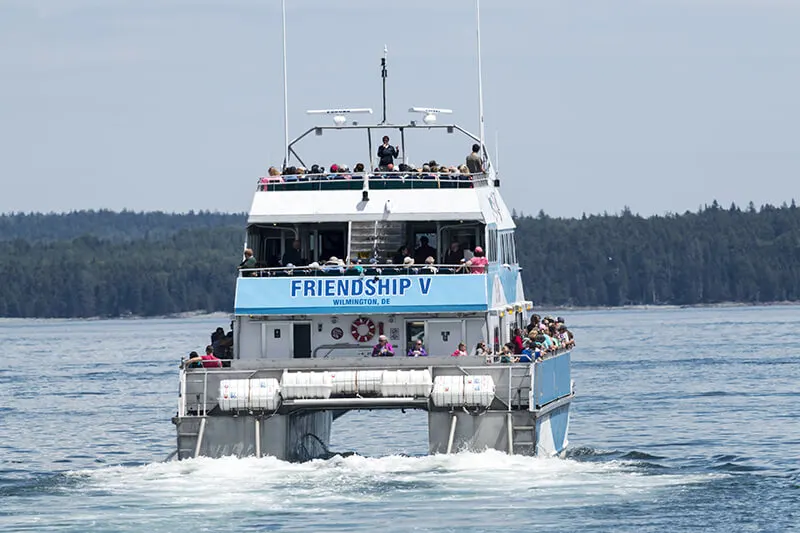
(190, 437)
(378, 238)
(522, 438)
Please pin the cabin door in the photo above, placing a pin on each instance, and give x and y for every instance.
(443, 336)
(301, 340)
(276, 340)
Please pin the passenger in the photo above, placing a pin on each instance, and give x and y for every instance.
(354, 268)
(208, 360)
(464, 170)
(429, 268)
(526, 355)
(424, 250)
(477, 265)
(293, 255)
(481, 350)
(461, 351)
(454, 255)
(408, 265)
(333, 265)
(358, 168)
(517, 340)
(218, 334)
(249, 262)
(507, 354)
(195, 361)
(533, 325)
(273, 171)
(475, 161)
(401, 254)
(383, 348)
(418, 350)
(387, 154)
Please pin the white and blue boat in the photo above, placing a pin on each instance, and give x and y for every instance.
(305, 331)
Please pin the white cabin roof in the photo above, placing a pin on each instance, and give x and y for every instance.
(286, 207)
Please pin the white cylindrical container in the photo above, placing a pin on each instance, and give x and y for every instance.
(306, 385)
(234, 394)
(264, 394)
(414, 383)
(369, 381)
(448, 391)
(478, 390)
(343, 382)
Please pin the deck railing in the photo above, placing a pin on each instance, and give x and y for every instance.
(371, 180)
(324, 270)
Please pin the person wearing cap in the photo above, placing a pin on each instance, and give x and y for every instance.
(477, 265)
(383, 348)
(387, 154)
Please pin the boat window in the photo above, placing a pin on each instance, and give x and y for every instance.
(492, 246)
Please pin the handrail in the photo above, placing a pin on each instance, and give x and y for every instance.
(345, 270)
(292, 181)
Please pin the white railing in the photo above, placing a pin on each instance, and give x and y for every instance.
(366, 269)
(372, 180)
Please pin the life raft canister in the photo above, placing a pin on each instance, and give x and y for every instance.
(362, 329)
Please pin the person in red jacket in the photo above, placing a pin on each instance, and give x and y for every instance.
(208, 360)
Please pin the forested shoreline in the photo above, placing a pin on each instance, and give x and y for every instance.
(103, 263)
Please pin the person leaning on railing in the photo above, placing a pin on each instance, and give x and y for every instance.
(207, 361)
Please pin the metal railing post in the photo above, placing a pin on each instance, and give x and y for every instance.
(452, 434)
(200, 434)
(258, 438)
(205, 391)
(510, 424)
(182, 394)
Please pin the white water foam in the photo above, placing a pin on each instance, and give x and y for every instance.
(482, 480)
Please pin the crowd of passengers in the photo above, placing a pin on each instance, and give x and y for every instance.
(419, 260)
(218, 354)
(542, 336)
(386, 169)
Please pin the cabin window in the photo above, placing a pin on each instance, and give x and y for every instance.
(491, 250)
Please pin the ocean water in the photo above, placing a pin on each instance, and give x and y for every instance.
(685, 420)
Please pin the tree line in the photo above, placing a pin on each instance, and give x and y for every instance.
(101, 263)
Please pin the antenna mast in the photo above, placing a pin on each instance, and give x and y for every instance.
(285, 90)
(480, 76)
(383, 75)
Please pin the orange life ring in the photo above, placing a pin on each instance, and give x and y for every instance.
(362, 329)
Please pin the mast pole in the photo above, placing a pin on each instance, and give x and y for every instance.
(384, 74)
(285, 90)
(480, 77)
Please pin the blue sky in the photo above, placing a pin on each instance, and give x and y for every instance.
(176, 105)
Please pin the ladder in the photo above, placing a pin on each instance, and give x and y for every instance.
(520, 383)
(525, 444)
(193, 435)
